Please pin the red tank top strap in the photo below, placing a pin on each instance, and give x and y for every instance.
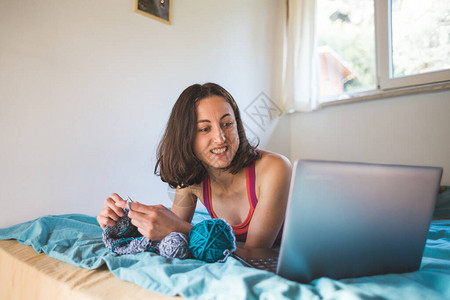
(251, 178)
(207, 196)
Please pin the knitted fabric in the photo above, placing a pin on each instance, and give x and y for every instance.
(124, 238)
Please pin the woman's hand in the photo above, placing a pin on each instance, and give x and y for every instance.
(111, 211)
(155, 221)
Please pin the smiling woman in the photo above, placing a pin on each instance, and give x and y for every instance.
(217, 139)
(206, 156)
(193, 115)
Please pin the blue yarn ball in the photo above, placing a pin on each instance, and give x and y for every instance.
(212, 240)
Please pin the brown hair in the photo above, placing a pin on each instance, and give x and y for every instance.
(176, 162)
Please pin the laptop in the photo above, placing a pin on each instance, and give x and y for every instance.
(347, 219)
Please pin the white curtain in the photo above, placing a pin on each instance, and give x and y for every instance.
(300, 81)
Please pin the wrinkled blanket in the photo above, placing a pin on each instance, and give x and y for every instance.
(77, 239)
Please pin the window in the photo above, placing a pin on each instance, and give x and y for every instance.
(372, 46)
(346, 46)
(415, 46)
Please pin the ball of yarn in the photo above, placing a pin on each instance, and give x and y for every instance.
(174, 245)
(212, 240)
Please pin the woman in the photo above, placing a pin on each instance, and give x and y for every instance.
(205, 155)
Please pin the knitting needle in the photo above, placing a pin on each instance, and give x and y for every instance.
(128, 202)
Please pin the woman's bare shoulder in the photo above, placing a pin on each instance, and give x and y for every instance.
(271, 161)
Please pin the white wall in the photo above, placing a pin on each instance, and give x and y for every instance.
(411, 129)
(86, 88)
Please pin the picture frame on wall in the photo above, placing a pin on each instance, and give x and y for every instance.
(160, 10)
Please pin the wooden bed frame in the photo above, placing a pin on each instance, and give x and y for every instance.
(25, 274)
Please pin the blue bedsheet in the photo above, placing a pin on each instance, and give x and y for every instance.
(76, 239)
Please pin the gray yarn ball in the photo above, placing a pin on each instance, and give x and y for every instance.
(175, 245)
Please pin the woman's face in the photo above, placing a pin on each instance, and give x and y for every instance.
(217, 138)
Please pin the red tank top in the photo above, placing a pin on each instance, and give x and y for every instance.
(240, 230)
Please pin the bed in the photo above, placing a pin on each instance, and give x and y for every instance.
(63, 257)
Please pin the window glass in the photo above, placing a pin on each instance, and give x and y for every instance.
(346, 46)
(420, 33)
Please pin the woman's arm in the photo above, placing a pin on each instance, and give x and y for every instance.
(273, 175)
(156, 221)
(184, 203)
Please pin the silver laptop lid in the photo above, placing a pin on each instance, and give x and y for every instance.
(356, 219)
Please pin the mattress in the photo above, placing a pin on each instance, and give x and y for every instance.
(25, 274)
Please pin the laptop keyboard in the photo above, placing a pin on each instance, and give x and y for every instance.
(267, 264)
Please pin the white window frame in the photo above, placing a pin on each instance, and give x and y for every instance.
(385, 78)
(386, 84)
